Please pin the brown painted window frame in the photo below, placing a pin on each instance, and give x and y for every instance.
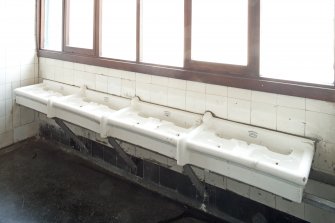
(246, 77)
(96, 27)
(251, 69)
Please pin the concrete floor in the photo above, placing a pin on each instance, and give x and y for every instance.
(46, 185)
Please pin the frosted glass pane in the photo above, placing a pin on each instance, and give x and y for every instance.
(220, 31)
(119, 29)
(297, 40)
(81, 18)
(163, 32)
(53, 24)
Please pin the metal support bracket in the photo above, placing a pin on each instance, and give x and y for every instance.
(73, 136)
(122, 154)
(199, 186)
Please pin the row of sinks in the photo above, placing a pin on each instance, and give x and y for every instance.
(270, 160)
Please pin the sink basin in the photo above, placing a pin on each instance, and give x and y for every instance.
(273, 161)
(270, 160)
(37, 96)
(87, 108)
(154, 127)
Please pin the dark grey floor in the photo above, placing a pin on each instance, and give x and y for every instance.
(39, 184)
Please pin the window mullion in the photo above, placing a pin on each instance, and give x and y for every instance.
(253, 37)
(97, 27)
(138, 29)
(187, 32)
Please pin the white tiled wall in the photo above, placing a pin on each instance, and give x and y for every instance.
(18, 67)
(300, 116)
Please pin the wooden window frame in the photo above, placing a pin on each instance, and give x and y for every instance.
(252, 67)
(233, 76)
(95, 32)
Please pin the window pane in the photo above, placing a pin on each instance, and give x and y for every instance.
(81, 18)
(53, 13)
(220, 31)
(163, 32)
(297, 40)
(119, 29)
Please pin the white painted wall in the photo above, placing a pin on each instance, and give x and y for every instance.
(18, 67)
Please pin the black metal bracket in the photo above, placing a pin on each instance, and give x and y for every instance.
(199, 186)
(122, 154)
(73, 136)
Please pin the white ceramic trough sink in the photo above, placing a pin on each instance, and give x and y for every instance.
(154, 127)
(273, 161)
(38, 96)
(87, 108)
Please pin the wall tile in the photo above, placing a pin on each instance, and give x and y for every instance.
(291, 120)
(324, 158)
(321, 126)
(320, 106)
(291, 102)
(128, 88)
(196, 86)
(143, 91)
(143, 78)
(176, 83)
(27, 71)
(292, 208)
(26, 131)
(6, 139)
(115, 73)
(177, 98)
(27, 115)
(91, 69)
(195, 102)
(127, 75)
(79, 66)
(2, 124)
(319, 189)
(101, 83)
(263, 197)
(2, 92)
(215, 179)
(2, 75)
(218, 105)
(239, 110)
(158, 80)
(68, 65)
(264, 115)
(142, 153)
(69, 76)
(114, 86)
(216, 90)
(159, 95)
(238, 187)
(2, 107)
(263, 97)
(239, 93)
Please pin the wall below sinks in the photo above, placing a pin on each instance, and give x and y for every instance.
(166, 174)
